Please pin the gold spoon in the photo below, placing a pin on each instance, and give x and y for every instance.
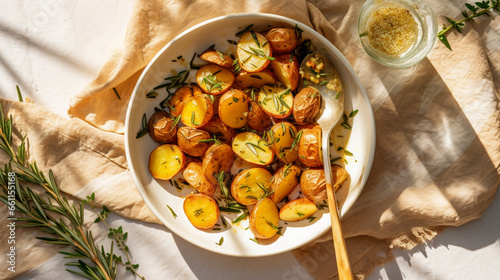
(318, 71)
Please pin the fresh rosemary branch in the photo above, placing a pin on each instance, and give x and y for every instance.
(54, 215)
(477, 9)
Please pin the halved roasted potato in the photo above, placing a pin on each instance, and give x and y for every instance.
(313, 185)
(253, 51)
(257, 118)
(218, 158)
(306, 105)
(221, 131)
(233, 108)
(193, 141)
(181, 95)
(162, 128)
(252, 148)
(282, 40)
(214, 79)
(217, 57)
(166, 161)
(201, 210)
(285, 141)
(310, 150)
(286, 69)
(285, 179)
(297, 210)
(250, 185)
(264, 219)
(193, 174)
(197, 111)
(259, 79)
(277, 101)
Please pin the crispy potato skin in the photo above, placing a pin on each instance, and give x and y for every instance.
(282, 40)
(263, 214)
(161, 128)
(257, 118)
(246, 79)
(201, 210)
(310, 147)
(166, 161)
(286, 69)
(218, 58)
(193, 174)
(297, 210)
(306, 105)
(188, 139)
(285, 179)
(313, 185)
(221, 131)
(218, 158)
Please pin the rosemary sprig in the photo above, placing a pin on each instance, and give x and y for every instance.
(47, 214)
(477, 9)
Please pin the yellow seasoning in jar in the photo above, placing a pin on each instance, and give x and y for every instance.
(391, 29)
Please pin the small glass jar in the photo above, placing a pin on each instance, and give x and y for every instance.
(397, 33)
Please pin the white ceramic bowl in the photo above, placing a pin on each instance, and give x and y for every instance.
(158, 194)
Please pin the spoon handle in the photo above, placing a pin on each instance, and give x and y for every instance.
(343, 263)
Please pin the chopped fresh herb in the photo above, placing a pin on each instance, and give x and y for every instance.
(144, 129)
(353, 113)
(198, 212)
(311, 218)
(240, 217)
(255, 39)
(254, 240)
(221, 240)
(236, 99)
(116, 92)
(172, 211)
(348, 153)
(176, 121)
(243, 31)
(152, 94)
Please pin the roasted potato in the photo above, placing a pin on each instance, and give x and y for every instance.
(214, 79)
(276, 101)
(197, 111)
(285, 141)
(246, 79)
(250, 147)
(218, 158)
(313, 185)
(286, 69)
(166, 161)
(181, 95)
(257, 118)
(253, 52)
(285, 179)
(297, 210)
(201, 210)
(282, 40)
(162, 128)
(233, 108)
(306, 105)
(250, 185)
(221, 131)
(193, 141)
(193, 174)
(264, 219)
(309, 150)
(217, 57)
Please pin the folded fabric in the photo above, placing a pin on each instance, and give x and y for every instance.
(437, 155)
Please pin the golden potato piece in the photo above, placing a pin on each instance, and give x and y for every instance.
(253, 51)
(166, 161)
(250, 185)
(310, 151)
(306, 105)
(313, 185)
(257, 118)
(193, 141)
(297, 210)
(221, 131)
(246, 79)
(276, 101)
(193, 174)
(233, 108)
(264, 219)
(201, 210)
(161, 128)
(250, 147)
(217, 57)
(181, 95)
(218, 158)
(286, 69)
(285, 141)
(214, 79)
(197, 111)
(282, 40)
(285, 179)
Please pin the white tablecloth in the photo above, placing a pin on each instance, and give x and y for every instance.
(53, 48)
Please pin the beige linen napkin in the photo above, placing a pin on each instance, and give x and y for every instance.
(437, 155)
